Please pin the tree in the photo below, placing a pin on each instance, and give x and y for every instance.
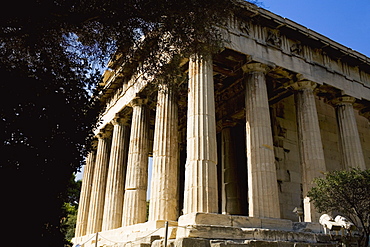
(48, 52)
(348, 193)
(45, 119)
(70, 207)
(69, 222)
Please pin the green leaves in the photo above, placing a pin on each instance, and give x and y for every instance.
(345, 192)
(49, 54)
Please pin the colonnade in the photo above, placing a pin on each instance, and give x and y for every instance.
(114, 185)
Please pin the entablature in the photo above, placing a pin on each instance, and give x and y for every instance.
(256, 27)
(257, 35)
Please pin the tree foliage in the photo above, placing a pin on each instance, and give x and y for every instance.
(48, 52)
(70, 207)
(345, 192)
(69, 222)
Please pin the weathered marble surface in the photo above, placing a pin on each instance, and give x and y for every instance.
(201, 193)
(96, 208)
(262, 182)
(164, 190)
(134, 203)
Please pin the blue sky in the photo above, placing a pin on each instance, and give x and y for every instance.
(346, 22)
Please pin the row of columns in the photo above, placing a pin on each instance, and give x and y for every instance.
(112, 197)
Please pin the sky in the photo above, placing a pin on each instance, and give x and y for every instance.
(344, 21)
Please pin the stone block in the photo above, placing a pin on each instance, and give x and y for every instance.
(228, 244)
(149, 239)
(239, 234)
(295, 177)
(308, 227)
(290, 124)
(245, 222)
(323, 238)
(192, 242)
(157, 243)
(258, 243)
(204, 219)
(285, 244)
(215, 232)
(283, 235)
(235, 221)
(279, 224)
(290, 146)
(141, 245)
(160, 243)
(283, 175)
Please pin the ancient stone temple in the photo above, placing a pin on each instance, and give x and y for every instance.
(235, 147)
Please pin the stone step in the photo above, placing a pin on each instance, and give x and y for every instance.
(235, 233)
(201, 242)
(262, 243)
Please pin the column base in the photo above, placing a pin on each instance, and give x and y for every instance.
(237, 221)
(199, 242)
(213, 230)
(234, 230)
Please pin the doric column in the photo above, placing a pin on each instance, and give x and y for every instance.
(309, 138)
(116, 175)
(85, 195)
(99, 184)
(349, 137)
(201, 193)
(262, 181)
(230, 189)
(164, 190)
(134, 203)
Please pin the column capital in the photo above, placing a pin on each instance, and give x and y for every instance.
(256, 67)
(120, 120)
(200, 56)
(138, 102)
(104, 134)
(343, 100)
(302, 85)
(165, 88)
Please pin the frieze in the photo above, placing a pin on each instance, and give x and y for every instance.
(245, 27)
(296, 49)
(273, 38)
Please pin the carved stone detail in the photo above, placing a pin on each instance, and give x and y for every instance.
(245, 27)
(296, 49)
(273, 37)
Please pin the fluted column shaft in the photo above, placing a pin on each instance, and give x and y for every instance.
(96, 208)
(200, 193)
(230, 189)
(134, 203)
(311, 148)
(164, 189)
(116, 175)
(349, 137)
(85, 195)
(262, 180)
